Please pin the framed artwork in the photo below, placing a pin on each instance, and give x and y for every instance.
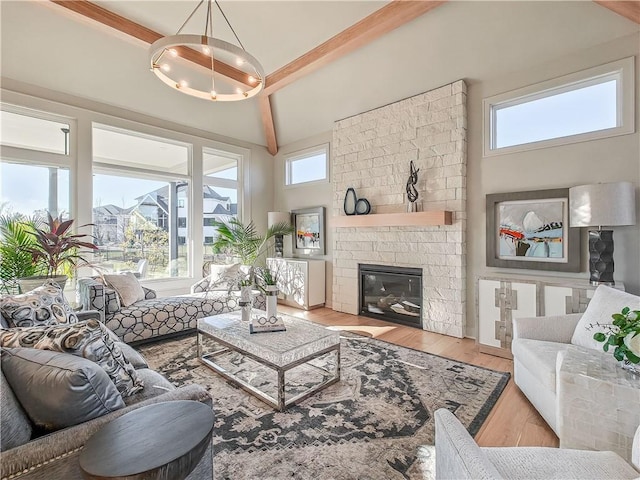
(531, 230)
(308, 237)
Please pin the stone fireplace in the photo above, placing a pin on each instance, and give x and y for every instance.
(371, 153)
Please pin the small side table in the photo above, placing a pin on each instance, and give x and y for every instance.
(161, 441)
(598, 402)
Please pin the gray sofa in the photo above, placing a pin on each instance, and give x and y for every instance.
(458, 457)
(155, 317)
(55, 455)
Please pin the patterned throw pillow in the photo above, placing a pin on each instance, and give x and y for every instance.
(41, 306)
(89, 339)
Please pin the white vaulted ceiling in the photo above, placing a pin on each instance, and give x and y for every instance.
(48, 46)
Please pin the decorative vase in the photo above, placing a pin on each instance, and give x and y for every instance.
(634, 368)
(272, 300)
(246, 302)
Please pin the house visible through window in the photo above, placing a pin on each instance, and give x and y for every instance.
(311, 165)
(221, 193)
(133, 209)
(595, 103)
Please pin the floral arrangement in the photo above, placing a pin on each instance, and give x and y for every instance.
(623, 335)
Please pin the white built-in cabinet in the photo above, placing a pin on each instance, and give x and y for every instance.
(301, 281)
(501, 298)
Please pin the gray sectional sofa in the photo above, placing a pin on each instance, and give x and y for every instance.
(25, 455)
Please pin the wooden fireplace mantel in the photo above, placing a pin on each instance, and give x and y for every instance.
(431, 217)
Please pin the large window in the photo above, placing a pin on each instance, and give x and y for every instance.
(140, 202)
(591, 104)
(34, 168)
(311, 165)
(221, 192)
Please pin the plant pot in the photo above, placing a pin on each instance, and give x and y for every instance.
(29, 283)
(634, 368)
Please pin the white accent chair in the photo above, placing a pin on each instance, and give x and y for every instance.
(459, 457)
(535, 347)
(537, 342)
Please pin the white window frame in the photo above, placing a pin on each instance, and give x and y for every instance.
(42, 158)
(301, 155)
(623, 71)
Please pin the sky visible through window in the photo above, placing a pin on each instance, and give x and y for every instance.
(578, 111)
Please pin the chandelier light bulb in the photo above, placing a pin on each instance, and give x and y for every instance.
(165, 67)
(206, 50)
(239, 91)
(251, 79)
(239, 61)
(173, 52)
(183, 84)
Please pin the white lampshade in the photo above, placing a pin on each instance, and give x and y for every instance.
(602, 204)
(278, 217)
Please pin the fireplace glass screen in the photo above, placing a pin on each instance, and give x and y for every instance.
(391, 293)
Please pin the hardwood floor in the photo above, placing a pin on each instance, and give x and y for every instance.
(512, 422)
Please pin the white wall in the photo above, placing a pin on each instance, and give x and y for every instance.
(305, 196)
(257, 172)
(605, 160)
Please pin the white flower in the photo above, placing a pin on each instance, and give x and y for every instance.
(632, 342)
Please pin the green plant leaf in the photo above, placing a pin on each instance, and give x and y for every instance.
(632, 357)
(599, 337)
(625, 310)
(618, 354)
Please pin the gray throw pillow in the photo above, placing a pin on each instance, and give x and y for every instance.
(58, 390)
(89, 339)
(126, 286)
(44, 305)
(15, 428)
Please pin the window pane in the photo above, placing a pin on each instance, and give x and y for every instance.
(308, 169)
(33, 190)
(218, 204)
(219, 165)
(132, 222)
(135, 150)
(33, 133)
(582, 110)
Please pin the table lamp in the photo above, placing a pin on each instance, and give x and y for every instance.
(274, 218)
(598, 205)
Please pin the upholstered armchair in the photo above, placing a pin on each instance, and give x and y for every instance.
(459, 457)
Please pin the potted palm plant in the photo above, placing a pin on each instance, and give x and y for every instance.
(244, 242)
(56, 252)
(15, 259)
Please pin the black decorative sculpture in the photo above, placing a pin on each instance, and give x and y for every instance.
(355, 206)
(412, 192)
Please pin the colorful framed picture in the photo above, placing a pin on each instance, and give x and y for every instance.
(531, 230)
(308, 236)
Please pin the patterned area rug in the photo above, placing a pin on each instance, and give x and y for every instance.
(376, 423)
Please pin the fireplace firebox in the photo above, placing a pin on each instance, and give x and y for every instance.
(390, 293)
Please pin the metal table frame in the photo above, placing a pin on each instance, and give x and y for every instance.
(280, 403)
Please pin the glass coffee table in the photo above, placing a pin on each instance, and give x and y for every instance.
(280, 368)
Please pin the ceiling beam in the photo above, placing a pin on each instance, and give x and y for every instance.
(628, 9)
(380, 22)
(133, 29)
(267, 122)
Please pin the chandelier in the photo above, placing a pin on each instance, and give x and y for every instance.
(206, 67)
